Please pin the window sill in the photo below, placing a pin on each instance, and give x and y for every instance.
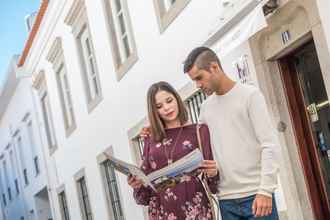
(94, 103)
(126, 66)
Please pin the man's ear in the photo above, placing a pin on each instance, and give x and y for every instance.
(214, 67)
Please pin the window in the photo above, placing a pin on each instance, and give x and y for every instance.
(13, 168)
(39, 83)
(5, 170)
(25, 176)
(2, 188)
(55, 56)
(77, 19)
(140, 145)
(36, 165)
(121, 36)
(9, 194)
(31, 214)
(63, 206)
(66, 102)
(32, 147)
(92, 82)
(16, 187)
(168, 10)
(4, 199)
(168, 4)
(84, 199)
(22, 157)
(112, 190)
(46, 112)
(193, 104)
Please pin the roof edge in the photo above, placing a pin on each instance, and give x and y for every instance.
(33, 33)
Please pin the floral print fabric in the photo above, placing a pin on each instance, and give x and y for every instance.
(186, 200)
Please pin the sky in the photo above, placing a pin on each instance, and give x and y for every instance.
(13, 32)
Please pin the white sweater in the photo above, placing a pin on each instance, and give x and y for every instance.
(244, 142)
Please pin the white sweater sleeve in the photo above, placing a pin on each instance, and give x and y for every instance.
(266, 136)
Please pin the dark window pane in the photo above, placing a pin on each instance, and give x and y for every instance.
(16, 186)
(113, 190)
(126, 46)
(122, 23)
(118, 5)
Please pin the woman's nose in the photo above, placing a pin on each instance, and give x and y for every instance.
(166, 107)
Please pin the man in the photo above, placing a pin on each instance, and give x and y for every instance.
(242, 136)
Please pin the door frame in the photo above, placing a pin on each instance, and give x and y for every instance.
(304, 136)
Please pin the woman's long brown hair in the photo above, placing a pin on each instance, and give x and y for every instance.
(157, 125)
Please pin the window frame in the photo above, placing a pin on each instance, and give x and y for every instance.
(36, 165)
(56, 58)
(21, 155)
(14, 166)
(17, 186)
(39, 83)
(134, 140)
(63, 204)
(101, 159)
(25, 177)
(3, 184)
(7, 179)
(166, 16)
(87, 54)
(66, 99)
(78, 21)
(31, 136)
(122, 66)
(4, 199)
(80, 176)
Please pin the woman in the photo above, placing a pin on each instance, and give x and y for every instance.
(172, 137)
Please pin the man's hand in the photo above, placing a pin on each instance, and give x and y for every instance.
(209, 167)
(262, 206)
(145, 132)
(134, 182)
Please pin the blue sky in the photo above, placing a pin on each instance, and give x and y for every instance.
(13, 32)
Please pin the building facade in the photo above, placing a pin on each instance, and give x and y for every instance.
(23, 173)
(90, 64)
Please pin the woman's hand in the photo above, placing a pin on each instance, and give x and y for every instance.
(134, 182)
(209, 167)
(145, 132)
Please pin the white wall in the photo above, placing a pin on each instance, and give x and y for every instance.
(324, 7)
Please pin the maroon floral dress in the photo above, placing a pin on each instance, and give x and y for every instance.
(186, 200)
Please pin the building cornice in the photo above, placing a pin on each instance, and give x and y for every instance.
(74, 12)
(37, 79)
(33, 33)
(55, 50)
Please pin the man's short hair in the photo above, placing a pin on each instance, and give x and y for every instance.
(201, 57)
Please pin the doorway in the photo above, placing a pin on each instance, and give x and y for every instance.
(310, 112)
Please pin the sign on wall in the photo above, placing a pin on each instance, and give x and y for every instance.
(242, 69)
